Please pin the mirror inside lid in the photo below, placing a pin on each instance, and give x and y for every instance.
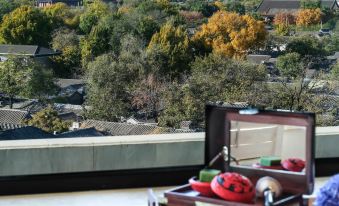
(258, 143)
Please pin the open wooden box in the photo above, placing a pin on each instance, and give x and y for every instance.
(248, 134)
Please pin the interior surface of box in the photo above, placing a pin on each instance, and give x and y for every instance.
(248, 135)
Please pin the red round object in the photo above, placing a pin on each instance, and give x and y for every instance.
(204, 188)
(293, 164)
(233, 187)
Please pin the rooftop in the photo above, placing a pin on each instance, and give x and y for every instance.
(26, 50)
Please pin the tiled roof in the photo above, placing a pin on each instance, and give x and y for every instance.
(272, 7)
(88, 132)
(27, 132)
(12, 118)
(117, 129)
(26, 50)
(64, 83)
(258, 59)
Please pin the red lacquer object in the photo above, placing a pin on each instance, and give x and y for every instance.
(204, 188)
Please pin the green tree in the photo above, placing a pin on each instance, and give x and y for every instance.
(91, 16)
(24, 77)
(174, 45)
(235, 6)
(202, 6)
(12, 78)
(310, 4)
(62, 15)
(26, 25)
(290, 65)
(6, 6)
(48, 120)
(98, 41)
(110, 81)
(68, 63)
(214, 78)
(306, 46)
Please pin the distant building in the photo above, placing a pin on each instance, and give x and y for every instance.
(12, 118)
(41, 54)
(73, 3)
(119, 129)
(72, 90)
(27, 132)
(87, 132)
(269, 8)
(44, 3)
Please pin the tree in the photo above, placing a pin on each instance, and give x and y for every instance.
(12, 78)
(173, 43)
(290, 65)
(284, 18)
(62, 15)
(7, 6)
(68, 63)
(91, 16)
(310, 4)
(231, 34)
(306, 17)
(306, 46)
(40, 81)
(235, 6)
(23, 76)
(202, 6)
(214, 78)
(25, 25)
(110, 81)
(48, 120)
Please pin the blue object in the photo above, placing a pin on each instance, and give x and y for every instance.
(329, 193)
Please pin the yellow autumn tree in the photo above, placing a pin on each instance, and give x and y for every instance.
(173, 45)
(306, 17)
(231, 34)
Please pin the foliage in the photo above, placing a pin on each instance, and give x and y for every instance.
(97, 42)
(235, 6)
(48, 120)
(66, 65)
(25, 25)
(110, 81)
(290, 65)
(7, 6)
(214, 78)
(202, 6)
(331, 43)
(306, 46)
(310, 4)
(23, 76)
(306, 17)
(335, 72)
(174, 45)
(284, 18)
(231, 34)
(62, 15)
(92, 14)
(40, 82)
(283, 29)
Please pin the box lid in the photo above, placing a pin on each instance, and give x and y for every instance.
(246, 136)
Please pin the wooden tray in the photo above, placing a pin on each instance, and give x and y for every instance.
(185, 196)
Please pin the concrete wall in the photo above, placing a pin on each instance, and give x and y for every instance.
(25, 157)
(48, 156)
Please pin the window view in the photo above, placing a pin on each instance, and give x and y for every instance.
(102, 85)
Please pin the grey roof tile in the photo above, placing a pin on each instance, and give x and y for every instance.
(26, 50)
(87, 132)
(118, 129)
(27, 132)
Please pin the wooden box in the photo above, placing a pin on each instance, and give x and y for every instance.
(246, 135)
